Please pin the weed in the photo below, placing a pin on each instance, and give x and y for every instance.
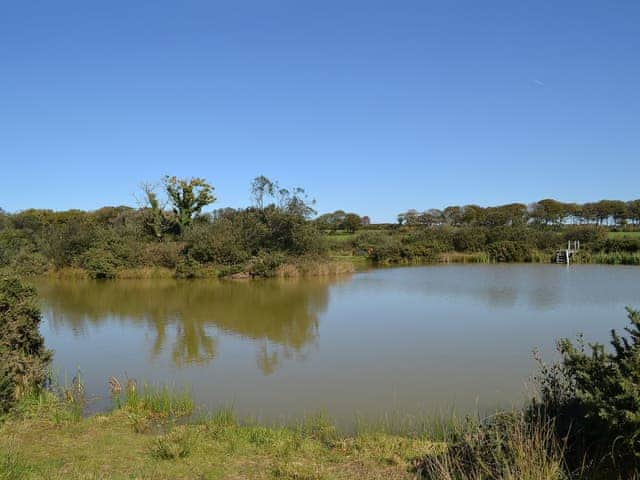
(178, 443)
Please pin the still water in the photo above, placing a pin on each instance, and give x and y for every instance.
(417, 340)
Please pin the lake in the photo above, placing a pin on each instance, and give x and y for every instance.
(419, 340)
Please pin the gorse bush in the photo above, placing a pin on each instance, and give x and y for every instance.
(594, 397)
(23, 357)
(508, 251)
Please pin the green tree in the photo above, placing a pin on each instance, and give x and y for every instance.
(351, 222)
(188, 197)
(633, 208)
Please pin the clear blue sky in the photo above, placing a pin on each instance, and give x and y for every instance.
(372, 106)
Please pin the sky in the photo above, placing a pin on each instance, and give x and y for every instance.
(372, 106)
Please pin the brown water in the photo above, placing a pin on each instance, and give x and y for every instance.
(417, 340)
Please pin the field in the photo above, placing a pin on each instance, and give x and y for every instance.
(618, 235)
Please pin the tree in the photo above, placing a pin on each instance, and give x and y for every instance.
(261, 187)
(23, 356)
(154, 216)
(188, 197)
(549, 211)
(351, 222)
(453, 215)
(473, 215)
(633, 208)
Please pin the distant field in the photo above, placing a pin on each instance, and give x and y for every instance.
(624, 234)
(341, 237)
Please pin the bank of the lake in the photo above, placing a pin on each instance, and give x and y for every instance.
(47, 443)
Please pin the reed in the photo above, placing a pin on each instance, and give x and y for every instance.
(161, 401)
(507, 446)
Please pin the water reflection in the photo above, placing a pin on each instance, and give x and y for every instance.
(537, 287)
(281, 316)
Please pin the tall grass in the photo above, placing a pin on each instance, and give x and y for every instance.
(13, 467)
(155, 400)
(505, 447)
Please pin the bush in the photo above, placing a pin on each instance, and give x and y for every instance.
(595, 398)
(215, 243)
(23, 357)
(187, 267)
(508, 251)
(547, 240)
(586, 234)
(618, 245)
(470, 239)
(178, 443)
(30, 263)
(99, 263)
(161, 254)
(378, 246)
(266, 264)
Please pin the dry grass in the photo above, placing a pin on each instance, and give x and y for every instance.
(504, 448)
(144, 273)
(317, 268)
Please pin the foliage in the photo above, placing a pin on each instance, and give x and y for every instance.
(170, 235)
(508, 251)
(266, 264)
(23, 357)
(99, 263)
(178, 443)
(506, 446)
(187, 197)
(594, 395)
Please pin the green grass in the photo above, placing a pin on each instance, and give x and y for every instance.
(217, 446)
(619, 235)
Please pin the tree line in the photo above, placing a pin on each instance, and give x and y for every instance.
(544, 212)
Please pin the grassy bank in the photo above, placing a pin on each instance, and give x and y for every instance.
(303, 267)
(45, 440)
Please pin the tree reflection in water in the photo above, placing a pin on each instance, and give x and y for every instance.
(281, 315)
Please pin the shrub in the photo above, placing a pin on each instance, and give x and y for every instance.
(266, 264)
(161, 254)
(23, 357)
(595, 398)
(618, 245)
(12, 242)
(586, 234)
(378, 246)
(547, 240)
(215, 243)
(30, 263)
(178, 443)
(470, 239)
(187, 267)
(508, 251)
(99, 263)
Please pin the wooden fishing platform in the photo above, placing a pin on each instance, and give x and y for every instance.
(564, 255)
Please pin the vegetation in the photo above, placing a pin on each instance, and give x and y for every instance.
(23, 357)
(594, 397)
(582, 425)
(169, 235)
